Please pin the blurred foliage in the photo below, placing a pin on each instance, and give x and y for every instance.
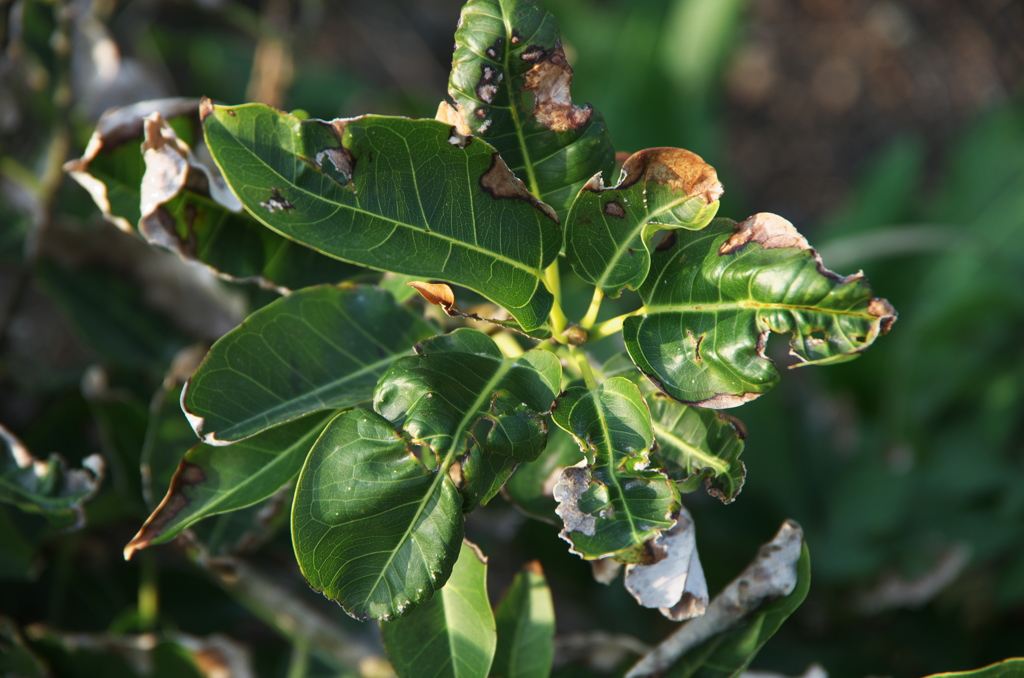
(904, 467)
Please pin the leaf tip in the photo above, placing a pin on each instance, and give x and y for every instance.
(205, 108)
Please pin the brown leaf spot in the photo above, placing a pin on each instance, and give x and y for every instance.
(495, 49)
(205, 108)
(769, 230)
(480, 112)
(516, 38)
(232, 113)
(549, 80)
(679, 169)
(881, 308)
(438, 294)
(452, 115)
(724, 401)
(277, 202)
(667, 242)
(188, 475)
(487, 86)
(614, 209)
(500, 182)
(738, 426)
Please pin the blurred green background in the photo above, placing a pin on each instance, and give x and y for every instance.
(891, 133)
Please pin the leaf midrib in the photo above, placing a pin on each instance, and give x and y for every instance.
(442, 469)
(709, 461)
(745, 305)
(535, 272)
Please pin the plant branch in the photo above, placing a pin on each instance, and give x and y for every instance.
(584, 364)
(595, 307)
(612, 325)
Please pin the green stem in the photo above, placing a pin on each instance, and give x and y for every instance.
(149, 593)
(595, 306)
(612, 325)
(557, 316)
(584, 365)
(298, 665)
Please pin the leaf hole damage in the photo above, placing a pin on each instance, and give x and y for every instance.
(549, 81)
(614, 208)
(277, 202)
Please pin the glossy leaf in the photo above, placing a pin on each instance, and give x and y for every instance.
(372, 527)
(713, 297)
(461, 378)
(407, 196)
(318, 348)
(212, 480)
(696, 443)
(167, 192)
(526, 627)
(453, 635)
(614, 503)
(530, 487)
(510, 81)
(608, 231)
(47, 487)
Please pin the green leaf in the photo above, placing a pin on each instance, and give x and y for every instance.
(461, 378)
(614, 503)
(212, 480)
(318, 348)
(696, 443)
(48, 487)
(372, 527)
(179, 202)
(510, 81)
(608, 231)
(526, 627)
(530, 487)
(713, 297)
(1010, 668)
(400, 195)
(452, 636)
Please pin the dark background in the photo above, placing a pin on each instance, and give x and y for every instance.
(891, 133)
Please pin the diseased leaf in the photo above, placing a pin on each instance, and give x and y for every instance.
(510, 81)
(695, 443)
(453, 635)
(372, 527)
(740, 619)
(47, 487)
(318, 348)
(526, 627)
(674, 582)
(531, 487)
(713, 297)
(407, 196)
(458, 379)
(612, 503)
(691, 443)
(212, 480)
(608, 231)
(176, 198)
